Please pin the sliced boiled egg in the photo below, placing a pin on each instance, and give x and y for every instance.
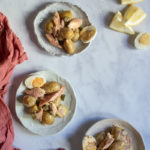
(34, 81)
(89, 143)
(87, 34)
(142, 41)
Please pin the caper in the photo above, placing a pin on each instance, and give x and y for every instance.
(33, 109)
(63, 97)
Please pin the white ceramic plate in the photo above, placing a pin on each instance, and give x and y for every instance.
(34, 125)
(46, 14)
(102, 125)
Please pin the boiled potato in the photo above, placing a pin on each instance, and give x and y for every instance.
(47, 118)
(67, 33)
(29, 101)
(49, 26)
(66, 15)
(118, 145)
(69, 46)
(63, 97)
(62, 111)
(118, 133)
(76, 35)
(66, 20)
(100, 137)
(33, 109)
(57, 101)
(51, 87)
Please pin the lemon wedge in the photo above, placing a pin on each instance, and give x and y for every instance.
(117, 24)
(142, 41)
(126, 2)
(133, 16)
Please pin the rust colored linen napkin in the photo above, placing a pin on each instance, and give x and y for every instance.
(11, 54)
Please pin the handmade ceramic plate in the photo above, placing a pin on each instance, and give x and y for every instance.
(102, 125)
(34, 125)
(48, 12)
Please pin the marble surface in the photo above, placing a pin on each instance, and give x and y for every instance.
(111, 79)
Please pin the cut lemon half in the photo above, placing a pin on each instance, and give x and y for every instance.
(126, 2)
(117, 24)
(133, 16)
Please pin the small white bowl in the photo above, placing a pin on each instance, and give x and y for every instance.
(102, 125)
(47, 13)
(60, 123)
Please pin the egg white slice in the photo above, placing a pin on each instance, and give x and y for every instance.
(89, 141)
(29, 81)
(85, 30)
(142, 37)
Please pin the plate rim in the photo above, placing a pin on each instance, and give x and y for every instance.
(75, 106)
(65, 54)
(117, 120)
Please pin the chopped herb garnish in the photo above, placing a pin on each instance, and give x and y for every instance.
(63, 97)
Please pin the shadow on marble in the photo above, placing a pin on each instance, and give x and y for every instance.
(110, 16)
(30, 27)
(76, 139)
(12, 94)
(118, 1)
(108, 19)
(131, 39)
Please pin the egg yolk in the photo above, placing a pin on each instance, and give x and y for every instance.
(88, 34)
(145, 39)
(38, 82)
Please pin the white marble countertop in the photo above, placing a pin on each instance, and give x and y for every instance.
(111, 79)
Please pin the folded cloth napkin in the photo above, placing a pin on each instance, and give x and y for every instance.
(11, 54)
